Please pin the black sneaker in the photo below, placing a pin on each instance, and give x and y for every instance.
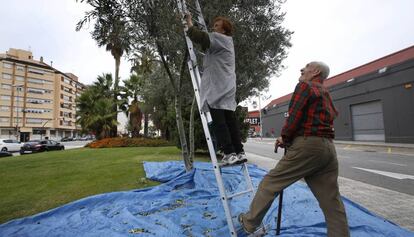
(229, 159)
(241, 157)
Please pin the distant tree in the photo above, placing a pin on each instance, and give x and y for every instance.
(95, 113)
(144, 62)
(132, 89)
(111, 30)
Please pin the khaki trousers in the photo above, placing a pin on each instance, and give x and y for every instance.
(312, 158)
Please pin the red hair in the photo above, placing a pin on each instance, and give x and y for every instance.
(227, 25)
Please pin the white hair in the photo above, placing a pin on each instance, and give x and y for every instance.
(324, 69)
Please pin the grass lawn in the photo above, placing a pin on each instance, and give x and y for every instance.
(35, 183)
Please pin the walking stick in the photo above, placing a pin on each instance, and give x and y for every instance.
(279, 208)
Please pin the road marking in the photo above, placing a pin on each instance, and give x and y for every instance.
(379, 161)
(389, 174)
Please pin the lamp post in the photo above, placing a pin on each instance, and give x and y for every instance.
(260, 115)
(18, 89)
(41, 130)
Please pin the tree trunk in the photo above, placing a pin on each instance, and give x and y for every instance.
(114, 130)
(191, 132)
(146, 115)
(177, 104)
(181, 133)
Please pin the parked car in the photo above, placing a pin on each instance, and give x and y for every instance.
(40, 145)
(10, 145)
(66, 139)
(5, 154)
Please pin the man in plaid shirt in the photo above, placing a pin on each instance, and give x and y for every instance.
(307, 136)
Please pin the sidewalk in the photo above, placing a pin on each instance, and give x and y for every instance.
(358, 143)
(391, 205)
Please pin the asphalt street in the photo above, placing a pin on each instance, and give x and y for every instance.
(378, 177)
(390, 168)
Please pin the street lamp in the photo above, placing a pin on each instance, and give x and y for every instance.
(41, 130)
(18, 89)
(260, 116)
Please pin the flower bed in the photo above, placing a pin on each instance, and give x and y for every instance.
(128, 142)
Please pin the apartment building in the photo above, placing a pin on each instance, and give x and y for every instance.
(36, 100)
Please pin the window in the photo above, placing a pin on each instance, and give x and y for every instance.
(38, 101)
(5, 97)
(7, 65)
(37, 111)
(20, 68)
(35, 81)
(64, 88)
(35, 91)
(4, 108)
(34, 101)
(66, 105)
(66, 114)
(17, 120)
(6, 86)
(7, 76)
(19, 78)
(34, 121)
(17, 109)
(38, 91)
(18, 98)
(36, 71)
(66, 98)
(67, 81)
(4, 120)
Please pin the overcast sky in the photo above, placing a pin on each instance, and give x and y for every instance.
(343, 33)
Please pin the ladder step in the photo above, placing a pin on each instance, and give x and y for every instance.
(240, 193)
(221, 165)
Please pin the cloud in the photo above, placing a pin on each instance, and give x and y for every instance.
(47, 28)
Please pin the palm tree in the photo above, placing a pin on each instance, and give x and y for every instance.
(95, 113)
(111, 30)
(132, 88)
(144, 62)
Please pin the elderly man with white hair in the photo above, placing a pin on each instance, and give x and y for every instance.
(307, 135)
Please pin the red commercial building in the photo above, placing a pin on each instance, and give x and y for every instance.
(375, 101)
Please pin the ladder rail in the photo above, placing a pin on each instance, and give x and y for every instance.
(206, 116)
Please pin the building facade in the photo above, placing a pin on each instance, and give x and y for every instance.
(253, 119)
(375, 101)
(36, 100)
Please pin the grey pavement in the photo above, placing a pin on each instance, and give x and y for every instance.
(391, 205)
(360, 143)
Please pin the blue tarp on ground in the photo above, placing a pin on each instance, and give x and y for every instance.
(187, 204)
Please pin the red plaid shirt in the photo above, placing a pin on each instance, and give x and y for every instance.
(311, 112)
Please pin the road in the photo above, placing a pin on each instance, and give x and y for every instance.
(389, 168)
(68, 145)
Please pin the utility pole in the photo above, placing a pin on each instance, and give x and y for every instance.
(18, 89)
(260, 115)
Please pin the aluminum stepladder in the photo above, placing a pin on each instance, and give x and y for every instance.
(195, 9)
